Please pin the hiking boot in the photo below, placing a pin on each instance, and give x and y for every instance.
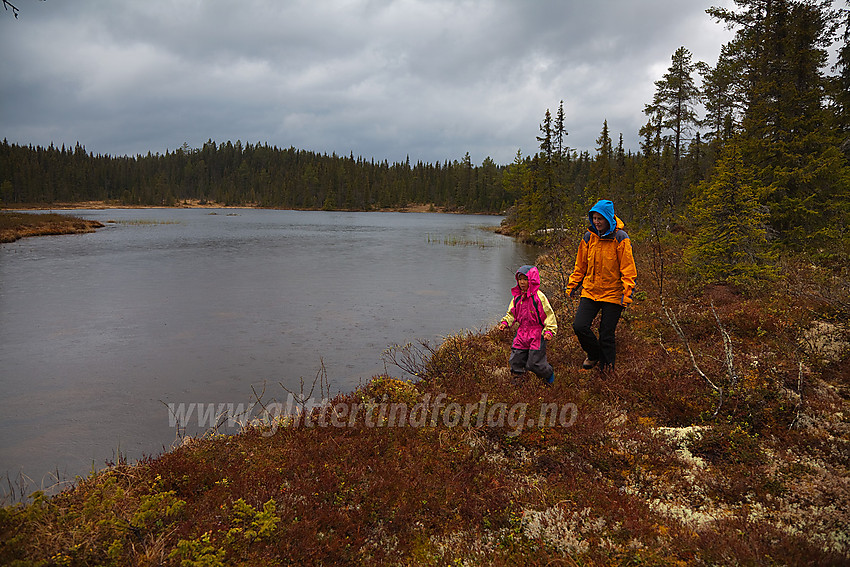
(589, 364)
(550, 380)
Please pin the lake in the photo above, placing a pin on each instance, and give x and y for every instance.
(101, 332)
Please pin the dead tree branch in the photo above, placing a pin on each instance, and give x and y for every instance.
(800, 392)
(727, 347)
(410, 358)
(305, 400)
(674, 322)
(658, 272)
(9, 6)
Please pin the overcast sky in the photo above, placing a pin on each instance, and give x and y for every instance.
(383, 79)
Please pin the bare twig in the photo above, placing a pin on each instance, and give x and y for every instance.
(658, 260)
(557, 266)
(178, 435)
(16, 492)
(8, 5)
(674, 322)
(304, 401)
(410, 358)
(727, 347)
(227, 416)
(658, 272)
(800, 392)
(259, 398)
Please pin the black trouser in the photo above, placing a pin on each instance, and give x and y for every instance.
(604, 348)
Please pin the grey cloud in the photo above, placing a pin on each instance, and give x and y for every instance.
(382, 79)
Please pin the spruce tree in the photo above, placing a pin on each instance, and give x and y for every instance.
(601, 170)
(560, 131)
(721, 96)
(731, 243)
(517, 185)
(675, 101)
(788, 135)
(841, 89)
(549, 190)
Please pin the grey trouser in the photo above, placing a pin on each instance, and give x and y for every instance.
(523, 359)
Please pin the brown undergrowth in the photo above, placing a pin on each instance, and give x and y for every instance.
(649, 466)
(14, 226)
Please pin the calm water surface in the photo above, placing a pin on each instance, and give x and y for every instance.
(101, 331)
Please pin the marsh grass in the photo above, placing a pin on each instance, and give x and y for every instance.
(647, 474)
(144, 222)
(455, 240)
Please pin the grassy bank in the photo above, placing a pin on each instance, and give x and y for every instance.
(14, 225)
(696, 450)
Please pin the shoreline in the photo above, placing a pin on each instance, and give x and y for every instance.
(15, 226)
(47, 223)
(196, 204)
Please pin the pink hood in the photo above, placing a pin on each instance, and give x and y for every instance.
(533, 281)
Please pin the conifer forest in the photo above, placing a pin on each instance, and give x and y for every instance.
(762, 136)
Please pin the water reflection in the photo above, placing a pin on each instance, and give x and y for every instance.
(102, 331)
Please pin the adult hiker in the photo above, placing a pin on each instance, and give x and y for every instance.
(605, 273)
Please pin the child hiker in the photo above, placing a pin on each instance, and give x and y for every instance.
(531, 311)
(605, 271)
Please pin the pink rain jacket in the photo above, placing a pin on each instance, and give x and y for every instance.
(531, 311)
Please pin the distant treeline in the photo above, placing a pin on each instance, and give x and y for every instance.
(233, 174)
(739, 161)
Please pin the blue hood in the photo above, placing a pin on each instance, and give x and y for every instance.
(606, 209)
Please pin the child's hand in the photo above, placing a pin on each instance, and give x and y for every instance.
(503, 325)
(548, 335)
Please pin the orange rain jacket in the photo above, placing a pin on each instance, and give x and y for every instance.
(605, 267)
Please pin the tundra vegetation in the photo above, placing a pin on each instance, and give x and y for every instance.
(722, 439)
(17, 225)
(723, 436)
